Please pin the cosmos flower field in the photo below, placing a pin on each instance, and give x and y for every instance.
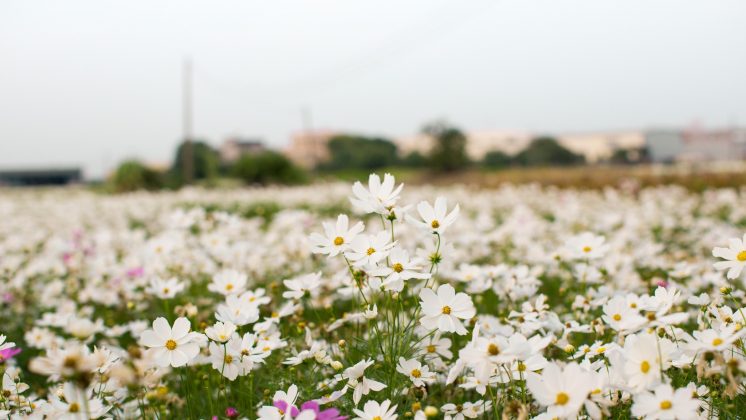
(373, 301)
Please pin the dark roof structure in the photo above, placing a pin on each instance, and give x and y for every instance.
(32, 177)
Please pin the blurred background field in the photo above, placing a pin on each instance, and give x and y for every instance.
(566, 93)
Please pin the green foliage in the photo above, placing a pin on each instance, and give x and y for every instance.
(132, 175)
(205, 163)
(449, 147)
(547, 151)
(350, 151)
(267, 168)
(497, 159)
(414, 160)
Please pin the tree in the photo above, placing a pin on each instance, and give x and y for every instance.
(350, 151)
(205, 162)
(547, 151)
(267, 168)
(132, 175)
(629, 156)
(449, 147)
(496, 159)
(414, 160)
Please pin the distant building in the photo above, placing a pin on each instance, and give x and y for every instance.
(234, 148)
(309, 148)
(478, 143)
(664, 146)
(600, 146)
(696, 145)
(713, 145)
(37, 177)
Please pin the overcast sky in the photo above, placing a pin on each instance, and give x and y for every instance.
(94, 82)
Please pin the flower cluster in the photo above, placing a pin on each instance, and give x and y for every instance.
(373, 303)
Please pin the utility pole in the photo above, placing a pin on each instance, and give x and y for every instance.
(188, 152)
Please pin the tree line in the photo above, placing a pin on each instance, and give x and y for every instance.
(447, 153)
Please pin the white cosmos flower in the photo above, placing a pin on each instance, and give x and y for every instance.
(644, 357)
(399, 267)
(620, 316)
(563, 391)
(445, 310)
(734, 256)
(221, 331)
(237, 310)
(470, 410)
(270, 412)
(378, 197)
(165, 289)
(586, 246)
(75, 403)
(336, 238)
(4, 345)
(666, 403)
(255, 297)
(171, 346)
(368, 250)
(435, 346)
(417, 373)
(435, 219)
(716, 339)
(372, 410)
(301, 285)
(228, 359)
(228, 282)
(356, 380)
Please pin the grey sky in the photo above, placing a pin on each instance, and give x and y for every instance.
(93, 82)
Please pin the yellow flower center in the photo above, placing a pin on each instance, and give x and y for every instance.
(166, 290)
(229, 286)
(644, 366)
(70, 362)
(562, 399)
(521, 367)
(435, 224)
(377, 418)
(339, 240)
(431, 348)
(717, 342)
(651, 316)
(666, 405)
(416, 373)
(741, 256)
(587, 249)
(371, 251)
(228, 359)
(74, 408)
(600, 350)
(447, 310)
(171, 344)
(617, 317)
(493, 349)
(398, 267)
